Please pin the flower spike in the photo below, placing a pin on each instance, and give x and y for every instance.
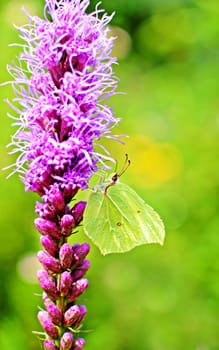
(61, 82)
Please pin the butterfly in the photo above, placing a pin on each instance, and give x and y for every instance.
(117, 219)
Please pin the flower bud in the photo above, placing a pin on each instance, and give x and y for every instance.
(77, 289)
(80, 270)
(65, 283)
(79, 344)
(47, 283)
(55, 197)
(78, 211)
(66, 255)
(44, 211)
(71, 315)
(36, 187)
(67, 224)
(49, 262)
(83, 312)
(66, 341)
(80, 251)
(49, 345)
(69, 192)
(47, 324)
(47, 227)
(53, 311)
(49, 244)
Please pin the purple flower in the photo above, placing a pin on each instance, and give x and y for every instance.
(62, 79)
(64, 75)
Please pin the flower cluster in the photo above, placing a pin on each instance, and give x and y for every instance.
(65, 73)
(63, 76)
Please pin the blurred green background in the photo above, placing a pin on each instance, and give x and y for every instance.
(152, 298)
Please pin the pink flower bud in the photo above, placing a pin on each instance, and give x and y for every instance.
(44, 211)
(80, 251)
(83, 312)
(55, 198)
(49, 244)
(78, 211)
(77, 289)
(49, 262)
(66, 341)
(67, 224)
(47, 283)
(49, 345)
(69, 192)
(53, 311)
(80, 270)
(48, 326)
(66, 255)
(79, 344)
(47, 227)
(71, 315)
(65, 283)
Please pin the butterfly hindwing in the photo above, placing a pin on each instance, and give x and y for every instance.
(141, 221)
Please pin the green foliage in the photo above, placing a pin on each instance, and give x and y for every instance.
(152, 298)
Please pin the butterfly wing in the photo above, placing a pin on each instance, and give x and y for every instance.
(120, 220)
(140, 221)
(99, 218)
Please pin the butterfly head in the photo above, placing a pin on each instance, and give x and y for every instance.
(116, 176)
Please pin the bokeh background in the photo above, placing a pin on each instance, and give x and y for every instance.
(152, 298)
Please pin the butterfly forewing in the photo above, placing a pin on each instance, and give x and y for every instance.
(120, 220)
(101, 225)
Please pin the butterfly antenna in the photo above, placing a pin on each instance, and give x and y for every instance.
(115, 171)
(125, 166)
(117, 175)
